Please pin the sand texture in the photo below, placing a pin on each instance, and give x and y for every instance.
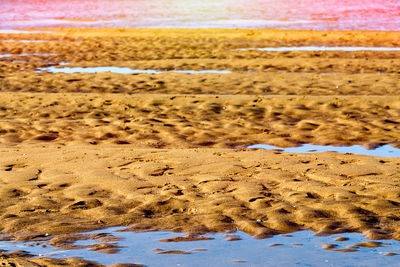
(168, 151)
(189, 121)
(55, 189)
(253, 72)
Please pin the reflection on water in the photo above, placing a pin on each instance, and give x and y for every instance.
(383, 151)
(322, 48)
(295, 14)
(150, 248)
(123, 70)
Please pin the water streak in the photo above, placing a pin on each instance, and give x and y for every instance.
(122, 70)
(383, 151)
(24, 41)
(27, 55)
(322, 48)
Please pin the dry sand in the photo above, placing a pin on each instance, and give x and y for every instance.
(167, 151)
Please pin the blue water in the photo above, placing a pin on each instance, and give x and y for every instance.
(123, 70)
(299, 249)
(323, 48)
(383, 151)
(27, 55)
(23, 41)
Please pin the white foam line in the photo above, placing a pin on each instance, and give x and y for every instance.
(123, 70)
(383, 151)
(322, 48)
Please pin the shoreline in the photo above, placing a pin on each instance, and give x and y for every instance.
(322, 35)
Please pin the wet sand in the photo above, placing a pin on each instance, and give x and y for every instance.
(189, 121)
(168, 151)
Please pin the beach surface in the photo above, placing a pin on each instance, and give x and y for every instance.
(167, 151)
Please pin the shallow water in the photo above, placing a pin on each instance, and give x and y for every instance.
(323, 48)
(123, 70)
(293, 14)
(27, 55)
(383, 151)
(301, 248)
(24, 41)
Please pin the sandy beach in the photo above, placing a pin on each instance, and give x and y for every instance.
(167, 151)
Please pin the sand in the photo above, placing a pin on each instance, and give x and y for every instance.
(168, 151)
(189, 121)
(55, 189)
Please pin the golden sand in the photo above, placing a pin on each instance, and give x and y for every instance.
(167, 151)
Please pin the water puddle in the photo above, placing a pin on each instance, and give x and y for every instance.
(383, 151)
(322, 48)
(27, 55)
(24, 41)
(122, 70)
(156, 248)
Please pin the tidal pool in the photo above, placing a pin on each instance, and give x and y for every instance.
(382, 151)
(24, 41)
(123, 70)
(302, 248)
(27, 55)
(322, 48)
